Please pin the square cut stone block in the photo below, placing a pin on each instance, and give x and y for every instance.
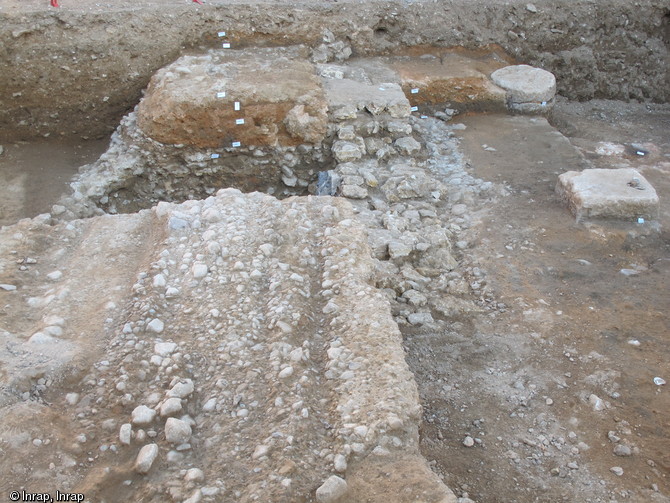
(346, 97)
(259, 97)
(616, 194)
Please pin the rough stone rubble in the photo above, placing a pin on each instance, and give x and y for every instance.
(258, 120)
(251, 359)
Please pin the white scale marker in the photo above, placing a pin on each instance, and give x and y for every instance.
(237, 106)
(236, 144)
(214, 156)
(239, 121)
(221, 94)
(415, 90)
(226, 45)
(414, 109)
(222, 34)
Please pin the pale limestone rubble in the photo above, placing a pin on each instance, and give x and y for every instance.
(279, 367)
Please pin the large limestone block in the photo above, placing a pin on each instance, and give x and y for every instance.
(621, 194)
(449, 78)
(193, 100)
(529, 89)
(346, 97)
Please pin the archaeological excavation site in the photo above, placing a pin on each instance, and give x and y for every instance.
(335, 251)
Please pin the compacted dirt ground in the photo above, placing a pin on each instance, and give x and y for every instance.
(583, 314)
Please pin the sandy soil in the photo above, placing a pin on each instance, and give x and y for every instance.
(520, 379)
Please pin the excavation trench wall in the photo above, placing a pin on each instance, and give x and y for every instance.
(78, 69)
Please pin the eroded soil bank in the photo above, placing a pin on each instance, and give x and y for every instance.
(79, 68)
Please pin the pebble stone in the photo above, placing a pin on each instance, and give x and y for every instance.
(156, 326)
(177, 431)
(145, 458)
(182, 389)
(164, 348)
(72, 398)
(170, 407)
(142, 415)
(468, 441)
(622, 450)
(125, 433)
(331, 490)
(194, 475)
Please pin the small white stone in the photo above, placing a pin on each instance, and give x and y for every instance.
(125, 433)
(596, 403)
(54, 276)
(42, 338)
(622, 450)
(7, 288)
(164, 348)
(159, 281)
(266, 249)
(171, 407)
(330, 308)
(394, 422)
(177, 431)
(361, 431)
(142, 415)
(287, 372)
(72, 398)
(340, 463)
(420, 318)
(199, 270)
(182, 389)
(194, 475)
(468, 441)
(156, 326)
(331, 490)
(171, 292)
(260, 451)
(146, 458)
(617, 470)
(210, 405)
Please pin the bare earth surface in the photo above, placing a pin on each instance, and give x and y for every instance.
(520, 380)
